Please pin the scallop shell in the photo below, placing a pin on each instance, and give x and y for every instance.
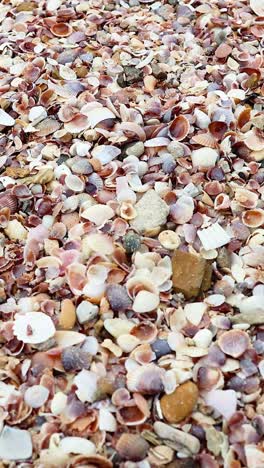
(234, 342)
(179, 128)
(146, 379)
(253, 218)
(218, 129)
(205, 139)
(246, 198)
(61, 30)
(8, 200)
(33, 327)
(254, 140)
(131, 415)
(132, 447)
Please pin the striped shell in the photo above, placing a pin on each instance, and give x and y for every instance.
(8, 200)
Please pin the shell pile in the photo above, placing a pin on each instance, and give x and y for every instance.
(131, 233)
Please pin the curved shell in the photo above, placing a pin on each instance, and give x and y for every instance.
(145, 332)
(218, 129)
(132, 447)
(253, 218)
(179, 128)
(8, 200)
(61, 29)
(205, 139)
(147, 380)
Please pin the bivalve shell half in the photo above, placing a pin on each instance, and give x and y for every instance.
(146, 379)
(145, 302)
(204, 157)
(253, 218)
(179, 128)
(8, 200)
(61, 30)
(132, 447)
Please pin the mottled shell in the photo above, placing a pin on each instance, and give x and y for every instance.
(132, 447)
(8, 200)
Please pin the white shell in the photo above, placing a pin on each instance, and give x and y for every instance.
(117, 327)
(202, 119)
(6, 119)
(16, 231)
(213, 237)
(36, 396)
(33, 327)
(107, 421)
(194, 312)
(98, 214)
(203, 338)
(66, 338)
(95, 116)
(86, 311)
(145, 301)
(204, 157)
(77, 445)
(105, 153)
(58, 403)
(15, 444)
(37, 113)
(86, 383)
(127, 342)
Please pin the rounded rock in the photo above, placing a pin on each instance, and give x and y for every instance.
(179, 405)
(131, 242)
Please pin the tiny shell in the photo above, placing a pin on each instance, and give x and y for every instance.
(68, 338)
(95, 116)
(86, 383)
(36, 396)
(33, 327)
(257, 6)
(105, 153)
(145, 301)
(204, 157)
(101, 243)
(58, 403)
(169, 239)
(234, 342)
(16, 231)
(107, 421)
(8, 200)
(179, 128)
(74, 183)
(86, 311)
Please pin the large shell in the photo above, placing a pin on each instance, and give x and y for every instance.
(179, 128)
(253, 218)
(205, 139)
(146, 379)
(218, 129)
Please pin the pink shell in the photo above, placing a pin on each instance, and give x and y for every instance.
(179, 128)
(8, 200)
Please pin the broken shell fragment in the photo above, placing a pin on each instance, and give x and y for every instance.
(145, 301)
(15, 444)
(213, 237)
(36, 396)
(181, 438)
(5, 119)
(224, 401)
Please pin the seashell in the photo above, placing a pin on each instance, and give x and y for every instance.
(90, 460)
(218, 129)
(47, 127)
(246, 198)
(169, 239)
(16, 231)
(253, 218)
(203, 338)
(107, 421)
(18, 438)
(105, 153)
(36, 396)
(254, 139)
(58, 403)
(98, 214)
(87, 385)
(75, 359)
(223, 401)
(257, 6)
(86, 311)
(205, 139)
(117, 327)
(5, 119)
(244, 117)
(194, 312)
(182, 211)
(138, 283)
(101, 243)
(143, 354)
(66, 73)
(223, 50)
(234, 342)
(145, 332)
(202, 119)
(77, 445)
(176, 149)
(33, 327)
(222, 202)
(204, 157)
(132, 447)
(145, 301)
(98, 115)
(61, 29)
(8, 200)
(127, 211)
(127, 342)
(131, 415)
(78, 124)
(146, 379)
(68, 338)
(179, 128)
(213, 237)
(118, 297)
(157, 142)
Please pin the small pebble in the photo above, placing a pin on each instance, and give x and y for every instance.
(67, 316)
(131, 242)
(179, 404)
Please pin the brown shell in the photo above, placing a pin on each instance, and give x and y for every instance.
(179, 128)
(218, 129)
(132, 447)
(243, 117)
(61, 29)
(205, 139)
(93, 461)
(8, 200)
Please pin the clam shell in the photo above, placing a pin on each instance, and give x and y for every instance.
(145, 301)
(146, 379)
(132, 447)
(8, 200)
(218, 129)
(61, 30)
(205, 139)
(179, 128)
(33, 327)
(253, 218)
(145, 332)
